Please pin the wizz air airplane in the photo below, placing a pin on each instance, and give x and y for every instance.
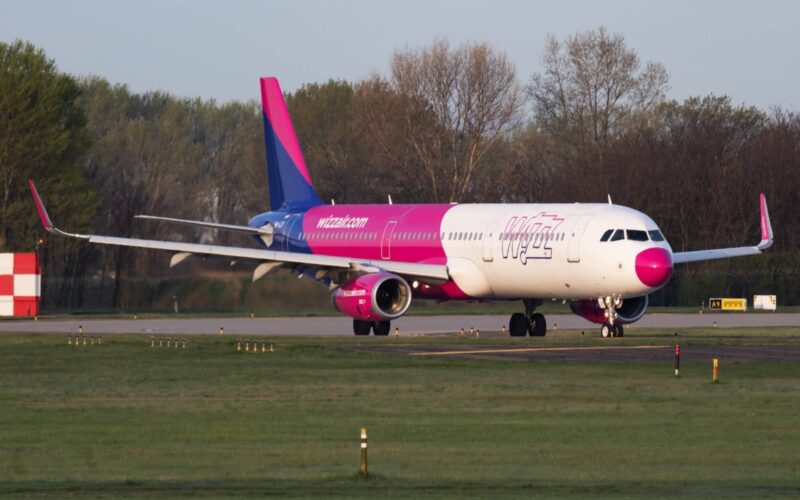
(603, 259)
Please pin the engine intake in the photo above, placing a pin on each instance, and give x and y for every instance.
(632, 310)
(373, 297)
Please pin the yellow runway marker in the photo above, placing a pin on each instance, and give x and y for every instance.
(536, 349)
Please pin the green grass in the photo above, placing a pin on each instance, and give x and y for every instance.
(126, 420)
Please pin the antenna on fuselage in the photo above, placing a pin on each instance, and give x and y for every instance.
(609, 200)
(390, 199)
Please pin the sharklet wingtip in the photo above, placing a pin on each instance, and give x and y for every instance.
(43, 215)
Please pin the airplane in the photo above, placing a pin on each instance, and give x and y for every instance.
(604, 259)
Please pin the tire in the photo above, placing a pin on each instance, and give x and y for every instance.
(361, 327)
(607, 330)
(620, 331)
(381, 328)
(518, 325)
(538, 325)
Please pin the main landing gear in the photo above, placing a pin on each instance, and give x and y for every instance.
(361, 327)
(531, 323)
(610, 328)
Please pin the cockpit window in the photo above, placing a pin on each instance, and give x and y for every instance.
(636, 235)
(619, 234)
(656, 235)
(607, 235)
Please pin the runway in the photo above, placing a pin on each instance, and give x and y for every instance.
(342, 326)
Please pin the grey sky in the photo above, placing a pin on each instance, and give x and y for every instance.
(747, 50)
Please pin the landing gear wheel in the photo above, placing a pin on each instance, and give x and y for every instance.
(361, 327)
(607, 330)
(518, 325)
(620, 331)
(538, 326)
(381, 327)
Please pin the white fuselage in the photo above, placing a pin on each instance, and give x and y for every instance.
(545, 250)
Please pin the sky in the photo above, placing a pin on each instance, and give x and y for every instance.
(218, 49)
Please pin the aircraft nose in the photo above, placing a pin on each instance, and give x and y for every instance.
(654, 266)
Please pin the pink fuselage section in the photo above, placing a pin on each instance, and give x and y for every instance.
(371, 232)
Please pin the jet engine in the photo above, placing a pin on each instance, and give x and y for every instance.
(632, 309)
(373, 297)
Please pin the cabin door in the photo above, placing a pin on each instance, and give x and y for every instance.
(488, 239)
(386, 240)
(575, 235)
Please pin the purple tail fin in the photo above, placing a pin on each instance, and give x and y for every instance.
(290, 186)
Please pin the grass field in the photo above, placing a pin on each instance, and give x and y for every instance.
(126, 420)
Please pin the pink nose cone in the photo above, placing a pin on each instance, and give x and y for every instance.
(654, 266)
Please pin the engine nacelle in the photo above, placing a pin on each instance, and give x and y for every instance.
(373, 297)
(631, 310)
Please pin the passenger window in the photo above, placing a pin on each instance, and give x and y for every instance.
(619, 234)
(607, 235)
(636, 235)
(656, 235)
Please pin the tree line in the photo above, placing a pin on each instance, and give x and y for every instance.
(443, 124)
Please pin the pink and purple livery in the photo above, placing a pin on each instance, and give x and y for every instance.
(603, 259)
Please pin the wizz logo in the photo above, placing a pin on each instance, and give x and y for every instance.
(530, 237)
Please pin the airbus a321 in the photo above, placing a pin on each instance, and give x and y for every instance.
(604, 259)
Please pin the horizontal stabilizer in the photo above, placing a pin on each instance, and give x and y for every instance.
(207, 225)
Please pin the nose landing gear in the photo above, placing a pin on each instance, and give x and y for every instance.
(531, 323)
(611, 328)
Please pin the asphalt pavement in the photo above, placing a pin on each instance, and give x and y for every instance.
(342, 326)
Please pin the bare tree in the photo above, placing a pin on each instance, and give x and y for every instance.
(593, 89)
(474, 95)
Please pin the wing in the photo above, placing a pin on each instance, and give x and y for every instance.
(726, 253)
(429, 273)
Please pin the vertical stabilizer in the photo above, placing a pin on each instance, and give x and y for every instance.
(290, 186)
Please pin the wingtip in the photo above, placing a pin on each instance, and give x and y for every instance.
(43, 216)
(767, 236)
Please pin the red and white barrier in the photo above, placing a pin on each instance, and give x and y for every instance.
(20, 284)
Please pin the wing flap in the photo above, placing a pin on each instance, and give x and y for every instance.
(436, 272)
